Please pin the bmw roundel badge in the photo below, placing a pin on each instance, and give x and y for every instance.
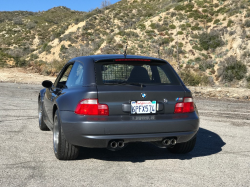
(143, 95)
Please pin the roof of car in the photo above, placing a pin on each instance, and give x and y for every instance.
(113, 56)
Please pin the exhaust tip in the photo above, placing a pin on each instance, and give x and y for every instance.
(121, 144)
(113, 145)
(166, 142)
(173, 141)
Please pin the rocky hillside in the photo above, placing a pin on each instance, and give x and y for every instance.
(207, 41)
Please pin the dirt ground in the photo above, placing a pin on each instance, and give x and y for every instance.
(20, 75)
(24, 76)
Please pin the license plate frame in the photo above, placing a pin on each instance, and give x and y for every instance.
(143, 107)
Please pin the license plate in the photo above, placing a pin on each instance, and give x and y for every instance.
(143, 107)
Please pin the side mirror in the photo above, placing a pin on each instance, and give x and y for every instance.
(47, 84)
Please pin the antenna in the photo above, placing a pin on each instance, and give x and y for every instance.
(125, 51)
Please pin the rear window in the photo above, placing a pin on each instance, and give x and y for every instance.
(135, 72)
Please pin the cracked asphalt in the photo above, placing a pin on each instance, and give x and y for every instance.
(221, 156)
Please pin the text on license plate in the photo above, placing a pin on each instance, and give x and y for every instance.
(143, 107)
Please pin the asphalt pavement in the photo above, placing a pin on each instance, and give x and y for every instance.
(221, 156)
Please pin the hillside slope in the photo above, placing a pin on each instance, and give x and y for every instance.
(206, 41)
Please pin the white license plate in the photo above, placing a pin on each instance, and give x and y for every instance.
(143, 107)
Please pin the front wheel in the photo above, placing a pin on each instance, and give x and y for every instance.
(185, 147)
(62, 149)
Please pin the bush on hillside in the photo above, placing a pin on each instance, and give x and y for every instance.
(18, 21)
(142, 26)
(31, 25)
(216, 21)
(180, 7)
(234, 69)
(172, 26)
(193, 79)
(247, 23)
(229, 23)
(179, 33)
(204, 65)
(210, 40)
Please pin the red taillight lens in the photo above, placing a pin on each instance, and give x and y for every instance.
(185, 107)
(91, 107)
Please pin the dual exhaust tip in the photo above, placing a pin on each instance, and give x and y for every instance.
(168, 142)
(116, 144)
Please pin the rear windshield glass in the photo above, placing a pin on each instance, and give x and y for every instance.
(134, 72)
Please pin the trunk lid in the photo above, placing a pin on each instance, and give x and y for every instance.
(118, 98)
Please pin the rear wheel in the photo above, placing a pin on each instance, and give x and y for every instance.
(182, 148)
(62, 149)
(42, 124)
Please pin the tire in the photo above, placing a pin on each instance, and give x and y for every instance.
(42, 124)
(62, 149)
(182, 148)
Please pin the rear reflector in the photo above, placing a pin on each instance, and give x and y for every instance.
(131, 59)
(91, 107)
(186, 106)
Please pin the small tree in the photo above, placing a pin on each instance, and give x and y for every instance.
(105, 3)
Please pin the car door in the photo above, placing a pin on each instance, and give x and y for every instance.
(57, 88)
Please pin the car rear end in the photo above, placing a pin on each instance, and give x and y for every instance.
(138, 100)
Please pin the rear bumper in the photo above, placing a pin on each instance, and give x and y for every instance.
(96, 131)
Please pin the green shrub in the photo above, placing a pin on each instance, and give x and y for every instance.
(247, 23)
(33, 56)
(189, 7)
(153, 25)
(20, 62)
(204, 10)
(164, 41)
(179, 32)
(210, 40)
(63, 49)
(204, 65)
(180, 8)
(196, 47)
(204, 55)
(18, 21)
(229, 23)
(183, 27)
(110, 39)
(209, 19)
(248, 78)
(193, 79)
(216, 21)
(200, 3)
(216, 5)
(195, 27)
(234, 70)
(162, 28)
(222, 10)
(150, 32)
(140, 45)
(180, 44)
(172, 26)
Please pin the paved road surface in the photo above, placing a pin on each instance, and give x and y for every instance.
(221, 156)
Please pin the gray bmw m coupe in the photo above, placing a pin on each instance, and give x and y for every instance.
(108, 101)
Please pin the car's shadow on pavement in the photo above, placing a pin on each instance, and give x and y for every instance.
(208, 143)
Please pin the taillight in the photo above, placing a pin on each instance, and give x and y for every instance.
(185, 107)
(91, 107)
